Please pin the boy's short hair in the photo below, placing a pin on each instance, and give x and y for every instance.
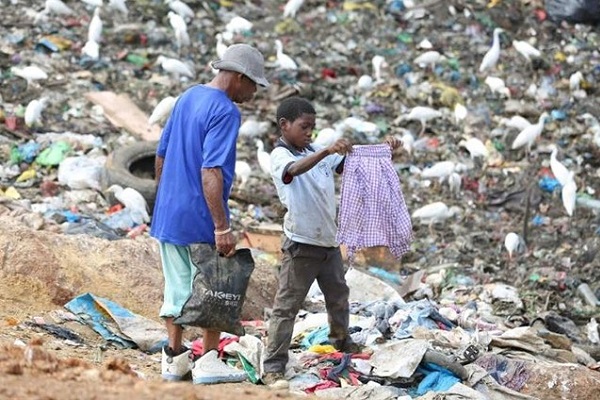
(293, 107)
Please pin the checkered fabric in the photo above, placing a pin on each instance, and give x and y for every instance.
(372, 209)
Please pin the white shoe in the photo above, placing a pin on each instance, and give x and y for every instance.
(209, 369)
(175, 368)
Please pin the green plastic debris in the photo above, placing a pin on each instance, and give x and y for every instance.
(20, 111)
(498, 145)
(453, 63)
(534, 277)
(53, 155)
(405, 37)
(137, 59)
(250, 371)
(15, 156)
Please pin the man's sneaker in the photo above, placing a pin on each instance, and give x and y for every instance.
(275, 380)
(348, 346)
(209, 369)
(174, 368)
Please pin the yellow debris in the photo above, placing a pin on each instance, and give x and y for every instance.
(560, 56)
(493, 3)
(351, 6)
(27, 175)
(12, 193)
(322, 349)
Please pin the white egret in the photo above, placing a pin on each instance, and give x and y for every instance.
(560, 172)
(283, 60)
(264, 159)
(221, 46)
(179, 26)
(569, 194)
(528, 135)
(30, 73)
(58, 7)
(475, 147)
(516, 121)
(454, 182)
(429, 59)
(238, 25)
(525, 49)
(242, 172)
(134, 201)
(493, 54)
(440, 170)
(378, 63)
(95, 28)
(91, 49)
(33, 112)
(513, 244)
(162, 110)
(181, 8)
(328, 136)
(434, 212)
(175, 67)
(291, 8)
(460, 113)
(575, 81)
(497, 85)
(254, 128)
(421, 114)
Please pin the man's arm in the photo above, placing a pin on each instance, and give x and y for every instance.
(158, 167)
(212, 186)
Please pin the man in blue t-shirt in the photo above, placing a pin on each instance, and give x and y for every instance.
(195, 164)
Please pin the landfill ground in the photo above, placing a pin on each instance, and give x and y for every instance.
(333, 43)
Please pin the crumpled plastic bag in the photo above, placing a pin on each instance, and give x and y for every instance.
(218, 290)
(81, 172)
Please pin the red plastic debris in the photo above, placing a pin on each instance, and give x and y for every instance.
(541, 14)
(328, 73)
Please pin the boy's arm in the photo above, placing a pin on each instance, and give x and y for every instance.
(341, 146)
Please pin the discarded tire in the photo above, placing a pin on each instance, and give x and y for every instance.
(133, 166)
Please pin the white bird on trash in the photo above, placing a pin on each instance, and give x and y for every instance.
(593, 127)
(95, 28)
(33, 112)
(243, 172)
(221, 46)
(175, 67)
(497, 85)
(575, 81)
(181, 8)
(435, 212)
(569, 194)
(118, 5)
(132, 200)
(179, 26)
(253, 128)
(378, 63)
(440, 170)
(516, 121)
(283, 60)
(291, 8)
(454, 182)
(493, 54)
(560, 172)
(475, 147)
(30, 73)
(264, 159)
(460, 113)
(238, 25)
(91, 49)
(58, 7)
(408, 141)
(429, 59)
(528, 135)
(328, 136)
(421, 114)
(162, 110)
(94, 3)
(525, 49)
(514, 244)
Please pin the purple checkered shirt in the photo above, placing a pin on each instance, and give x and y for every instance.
(372, 208)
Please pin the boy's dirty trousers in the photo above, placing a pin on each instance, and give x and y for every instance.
(301, 265)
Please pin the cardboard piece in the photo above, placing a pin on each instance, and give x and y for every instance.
(122, 112)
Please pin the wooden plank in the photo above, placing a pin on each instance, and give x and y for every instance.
(122, 112)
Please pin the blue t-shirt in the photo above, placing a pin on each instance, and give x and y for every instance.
(200, 133)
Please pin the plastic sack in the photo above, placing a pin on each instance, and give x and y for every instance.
(81, 172)
(218, 290)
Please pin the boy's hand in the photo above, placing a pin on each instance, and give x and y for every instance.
(341, 146)
(393, 142)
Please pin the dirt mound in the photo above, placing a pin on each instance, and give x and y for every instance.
(42, 270)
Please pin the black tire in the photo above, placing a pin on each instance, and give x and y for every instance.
(118, 169)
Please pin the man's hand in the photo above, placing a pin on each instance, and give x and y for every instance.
(341, 146)
(225, 244)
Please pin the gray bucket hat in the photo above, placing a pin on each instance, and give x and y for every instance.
(244, 59)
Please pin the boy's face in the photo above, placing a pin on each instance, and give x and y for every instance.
(299, 132)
